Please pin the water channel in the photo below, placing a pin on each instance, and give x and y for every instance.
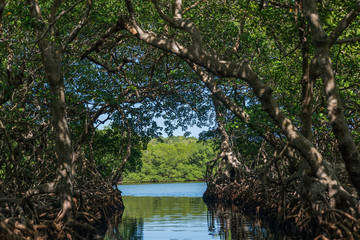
(176, 211)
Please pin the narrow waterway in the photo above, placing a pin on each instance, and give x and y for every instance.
(176, 211)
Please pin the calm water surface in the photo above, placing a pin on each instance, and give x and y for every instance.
(176, 211)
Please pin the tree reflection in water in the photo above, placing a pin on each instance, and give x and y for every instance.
(230, 223)
(128, 229)
(147, 218)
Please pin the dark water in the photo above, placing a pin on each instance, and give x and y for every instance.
(176, 211)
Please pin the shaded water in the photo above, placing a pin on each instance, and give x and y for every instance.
(176, 211)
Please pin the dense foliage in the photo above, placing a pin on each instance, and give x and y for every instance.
(173, 159)
(278, 80)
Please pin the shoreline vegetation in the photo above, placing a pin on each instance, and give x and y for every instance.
(173, 159)
(276, 82)
(133, 183)
(170, 181)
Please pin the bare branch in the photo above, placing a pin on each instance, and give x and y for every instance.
(263, 92)
(104, 65)
(218, 93)
(343, 24)
(211, 62)
(130, 9)
(319, 35)
(53, 10)
(35, 10)
(115, 177)
(103, 109)
(178, 9)
(184, 24)
(316, 27)
(107, 67)
(53, 20)
(65, 11)
(340, 127)
(113, 29)
(348, 40)
(80, 25)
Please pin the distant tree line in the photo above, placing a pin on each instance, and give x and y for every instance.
(175, 159)
(171, 159)
(277, 80)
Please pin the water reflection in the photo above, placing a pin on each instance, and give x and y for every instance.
(127, 228)
(230, 223)
(161, 218)
(174, 218)
(176, 211)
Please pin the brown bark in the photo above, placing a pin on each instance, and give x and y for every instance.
(229, 165)
(319, 167)
(116, 176)
(241, 70)
(210, 83)
(322, 43)
(307, 79)
(2, 9)
(51, 57)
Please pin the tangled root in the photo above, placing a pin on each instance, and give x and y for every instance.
(34, 217)
(287, 209)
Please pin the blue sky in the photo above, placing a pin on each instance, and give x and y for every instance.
(194, 131)
(178, 132)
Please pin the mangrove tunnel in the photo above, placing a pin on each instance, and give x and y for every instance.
(275, 85)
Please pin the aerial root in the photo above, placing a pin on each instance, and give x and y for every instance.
(288, 208)
(34, 218)
(321, 237)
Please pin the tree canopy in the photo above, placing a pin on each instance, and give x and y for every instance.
(276, 81)
(175, 159)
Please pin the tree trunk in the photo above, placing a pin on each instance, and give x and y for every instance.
(241, 70)
(116, 176)
(322, 43)
(51, 56)
(307, 79)
(229, 166)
